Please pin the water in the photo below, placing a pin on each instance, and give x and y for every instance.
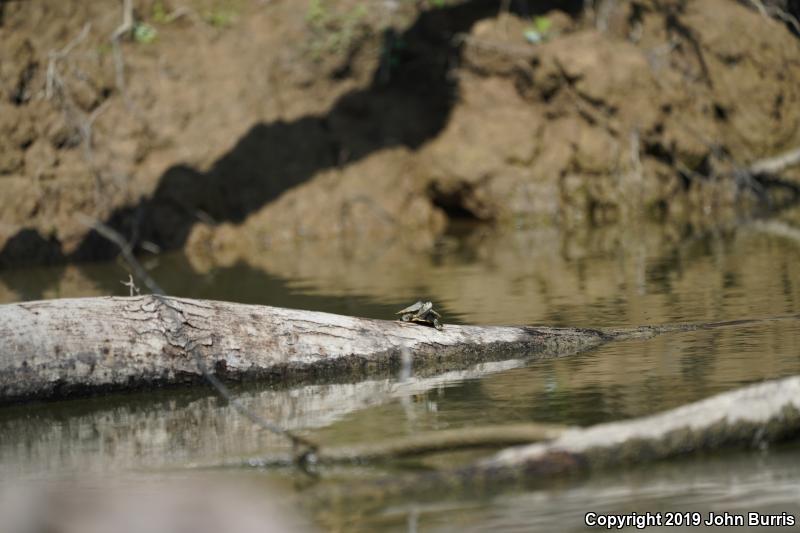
(606, 277)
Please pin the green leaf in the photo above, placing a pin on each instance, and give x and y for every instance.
(542, 24)
(144, 33)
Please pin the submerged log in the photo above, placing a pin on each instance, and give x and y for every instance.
(419, 444)
(750, 417)
(58, 348)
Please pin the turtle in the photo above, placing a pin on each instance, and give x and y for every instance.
(421, 313)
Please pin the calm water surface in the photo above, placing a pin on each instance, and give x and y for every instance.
(606, 277)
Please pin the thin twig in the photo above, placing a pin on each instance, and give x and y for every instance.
(444, 440)
(304, 451)
(53, 79)
(125, 248)
(131, 285)
(123, 29)
(774, 165)
(81, 122)
(777, 13)
(759, 5)
(466, 438)
(506, 49)
(187, 12)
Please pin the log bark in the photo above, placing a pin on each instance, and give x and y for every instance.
(58, 348)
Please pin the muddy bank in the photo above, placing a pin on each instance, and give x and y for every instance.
(379, 121)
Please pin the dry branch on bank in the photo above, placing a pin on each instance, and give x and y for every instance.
(777, 164)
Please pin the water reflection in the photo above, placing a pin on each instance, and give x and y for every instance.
(170, 429)
(765, 483)
(608, 277)
(196, 502)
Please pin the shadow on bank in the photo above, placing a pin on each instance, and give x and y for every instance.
(407, 103)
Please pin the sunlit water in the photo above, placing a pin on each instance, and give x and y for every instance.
(531, 276)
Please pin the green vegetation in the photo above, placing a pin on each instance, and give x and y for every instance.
(317, 14)
(160, 15)
(220, 17)
(216, 13)
(539, 30)
(144, 33)
(542, 24)
(334, 32)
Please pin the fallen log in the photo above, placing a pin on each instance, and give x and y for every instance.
(58, 348)
(750, 417)
(67, 347)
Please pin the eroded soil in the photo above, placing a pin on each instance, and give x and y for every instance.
(245, 124)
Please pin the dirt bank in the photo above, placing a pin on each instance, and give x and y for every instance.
(235, 124)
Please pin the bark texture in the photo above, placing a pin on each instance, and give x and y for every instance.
(58, 348)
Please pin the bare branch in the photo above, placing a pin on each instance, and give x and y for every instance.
(773, 11)
(774, 165)
(131, 285)
(122, 30)
(759, 5)
(304, 449)
(511, 50)
(466, 438)
(53, 80)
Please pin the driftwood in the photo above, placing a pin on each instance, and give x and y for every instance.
(58, 348)
(750, 417)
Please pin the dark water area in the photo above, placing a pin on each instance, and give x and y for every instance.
(601, 278)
